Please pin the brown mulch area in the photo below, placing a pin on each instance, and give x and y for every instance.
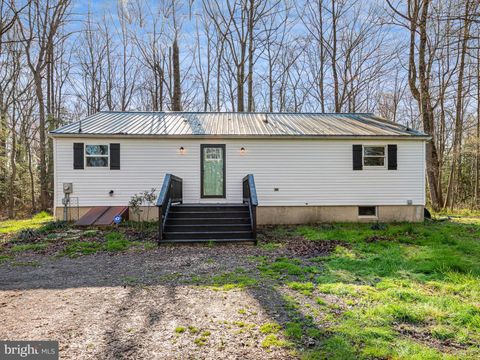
(289, 241)
(296, 245)
(58, 239)
(307, 249)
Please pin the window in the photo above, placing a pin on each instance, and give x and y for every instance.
(212, 153)
(374, 156)
(96, 155)
(367, 211)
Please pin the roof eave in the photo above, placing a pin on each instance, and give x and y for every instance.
(156, 136)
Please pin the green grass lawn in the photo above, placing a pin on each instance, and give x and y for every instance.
(14, 226)
(388, 291)
(409, 291)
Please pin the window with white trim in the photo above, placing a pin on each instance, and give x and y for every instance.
(96, 155)
(374, 156)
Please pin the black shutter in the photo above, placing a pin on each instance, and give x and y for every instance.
(114, 156)
(357, 157)
(392, 157)
(78, 156)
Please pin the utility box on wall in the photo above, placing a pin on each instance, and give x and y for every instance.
(67, 188)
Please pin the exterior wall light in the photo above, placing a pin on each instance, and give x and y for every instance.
(182, 150)
(242, 151)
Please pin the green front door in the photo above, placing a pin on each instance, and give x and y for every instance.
(212, 171)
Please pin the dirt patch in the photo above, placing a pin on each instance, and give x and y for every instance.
(55, 242)
(296, 245)
(423, 336)
(307, 249)
(377, 238)
(171, 301)
(137, 322)
(131, 305)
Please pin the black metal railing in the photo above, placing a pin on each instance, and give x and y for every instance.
(250, 198)
(172, 192)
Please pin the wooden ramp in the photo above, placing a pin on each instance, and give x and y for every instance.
(102, 215)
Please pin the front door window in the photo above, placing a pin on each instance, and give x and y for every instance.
(213, 171)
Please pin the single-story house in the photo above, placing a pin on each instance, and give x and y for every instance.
(306, 167)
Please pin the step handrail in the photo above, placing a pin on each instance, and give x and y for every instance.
(250, 198)
(171, 192)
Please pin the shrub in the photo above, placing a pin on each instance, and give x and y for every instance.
(52, 226)
(135, 203)
(27, 235)
(147, 197)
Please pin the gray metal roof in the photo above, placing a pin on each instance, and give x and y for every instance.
(190, 124)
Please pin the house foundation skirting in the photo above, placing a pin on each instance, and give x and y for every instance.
(284, 215)
(273, 215)
(150, 214)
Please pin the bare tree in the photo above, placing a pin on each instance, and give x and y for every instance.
(417, 19)
(464, 36)
(477, 146)
(127, 82)
(150, 44)
(38, 29)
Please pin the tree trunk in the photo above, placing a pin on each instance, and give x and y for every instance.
(219, 67)
(322, 57)
(42, 143)
(51, 124)
(250, 54)
(177, 91)
(457, 140)
(241, 77)
(13, 171)
(422, 95)
(270, 83)
(3, 147)
(477, 145)
(32, 177)
(334, 60)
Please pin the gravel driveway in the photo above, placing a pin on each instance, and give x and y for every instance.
(143, 305)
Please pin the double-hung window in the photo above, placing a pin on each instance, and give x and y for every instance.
(96, 155)
(374, 156)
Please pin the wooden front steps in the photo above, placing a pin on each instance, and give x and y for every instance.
(187, 223)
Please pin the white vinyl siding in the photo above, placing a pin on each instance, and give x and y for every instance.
(305, 171)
